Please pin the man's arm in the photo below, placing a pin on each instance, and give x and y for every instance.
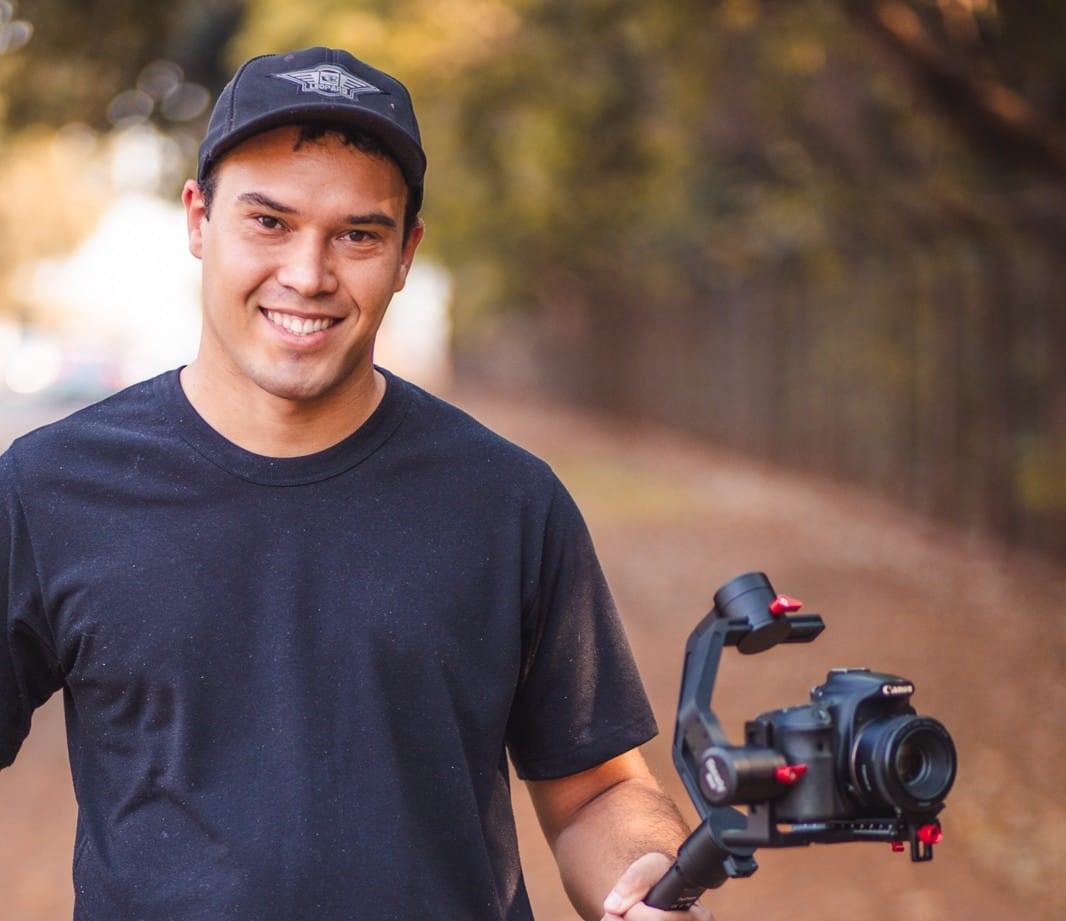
(614, 833)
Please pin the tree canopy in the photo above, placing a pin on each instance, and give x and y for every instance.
(828, 233)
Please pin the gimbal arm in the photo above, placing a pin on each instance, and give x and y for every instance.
(746, 614)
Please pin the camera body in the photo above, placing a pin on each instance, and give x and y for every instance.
(859, 747)
(867, 753)
(856, 763)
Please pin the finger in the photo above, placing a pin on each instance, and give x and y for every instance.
(641, 912)
(634, 883)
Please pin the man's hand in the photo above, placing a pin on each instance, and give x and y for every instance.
(598, 823)
(624, 900)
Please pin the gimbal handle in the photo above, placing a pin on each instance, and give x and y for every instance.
(703, 862)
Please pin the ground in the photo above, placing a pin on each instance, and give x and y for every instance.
(973, 625)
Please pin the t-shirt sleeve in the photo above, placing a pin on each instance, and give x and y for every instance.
(580, 700)
(29, 671)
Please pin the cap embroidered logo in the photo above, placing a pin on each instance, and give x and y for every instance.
(329, 80)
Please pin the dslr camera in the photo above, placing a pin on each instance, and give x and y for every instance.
(856, 763)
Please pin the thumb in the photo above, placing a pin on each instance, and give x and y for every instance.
(635, 882)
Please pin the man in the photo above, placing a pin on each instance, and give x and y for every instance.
(300, 610)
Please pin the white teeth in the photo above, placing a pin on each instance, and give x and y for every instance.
(301, 326)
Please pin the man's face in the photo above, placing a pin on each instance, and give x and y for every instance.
(301, 255)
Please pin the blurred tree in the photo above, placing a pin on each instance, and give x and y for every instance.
(86, 55)
(70, 72)
(827, 233)
(993, 69)
(36, 163)
(831, 234)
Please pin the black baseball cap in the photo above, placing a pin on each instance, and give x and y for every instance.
(319, 84)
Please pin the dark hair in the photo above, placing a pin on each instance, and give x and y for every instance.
(349, 135)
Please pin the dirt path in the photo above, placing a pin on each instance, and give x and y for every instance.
(975, 628)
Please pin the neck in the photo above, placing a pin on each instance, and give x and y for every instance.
(274, 426)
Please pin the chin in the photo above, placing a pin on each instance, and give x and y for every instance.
(298, 391)
(304, 387)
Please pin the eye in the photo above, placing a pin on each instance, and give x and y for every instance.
(268, 221)
(359, 236)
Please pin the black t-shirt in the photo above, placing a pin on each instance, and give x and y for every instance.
(291, 684)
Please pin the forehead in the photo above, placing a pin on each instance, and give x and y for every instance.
(288, 156)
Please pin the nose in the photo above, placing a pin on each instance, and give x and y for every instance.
(307, 266)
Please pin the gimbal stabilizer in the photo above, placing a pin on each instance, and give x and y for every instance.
(855, 764)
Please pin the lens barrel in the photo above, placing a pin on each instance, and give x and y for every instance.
(905, 762)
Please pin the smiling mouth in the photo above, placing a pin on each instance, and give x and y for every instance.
(299, 326)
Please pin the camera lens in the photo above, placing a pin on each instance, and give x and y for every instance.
(925, 762)
(905, 762)
(911, 763)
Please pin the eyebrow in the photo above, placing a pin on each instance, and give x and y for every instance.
(265, 201)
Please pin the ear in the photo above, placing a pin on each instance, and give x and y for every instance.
(408, 254)
(195, 215)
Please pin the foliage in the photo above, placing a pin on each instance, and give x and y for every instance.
(79, 70)
(39, 160)
(85, 53)
(829, 233)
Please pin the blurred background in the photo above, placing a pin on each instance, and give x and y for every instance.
(774, 284)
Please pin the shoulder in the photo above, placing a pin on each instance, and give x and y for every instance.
(126, 404)
(456, 437)
(88, 435)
